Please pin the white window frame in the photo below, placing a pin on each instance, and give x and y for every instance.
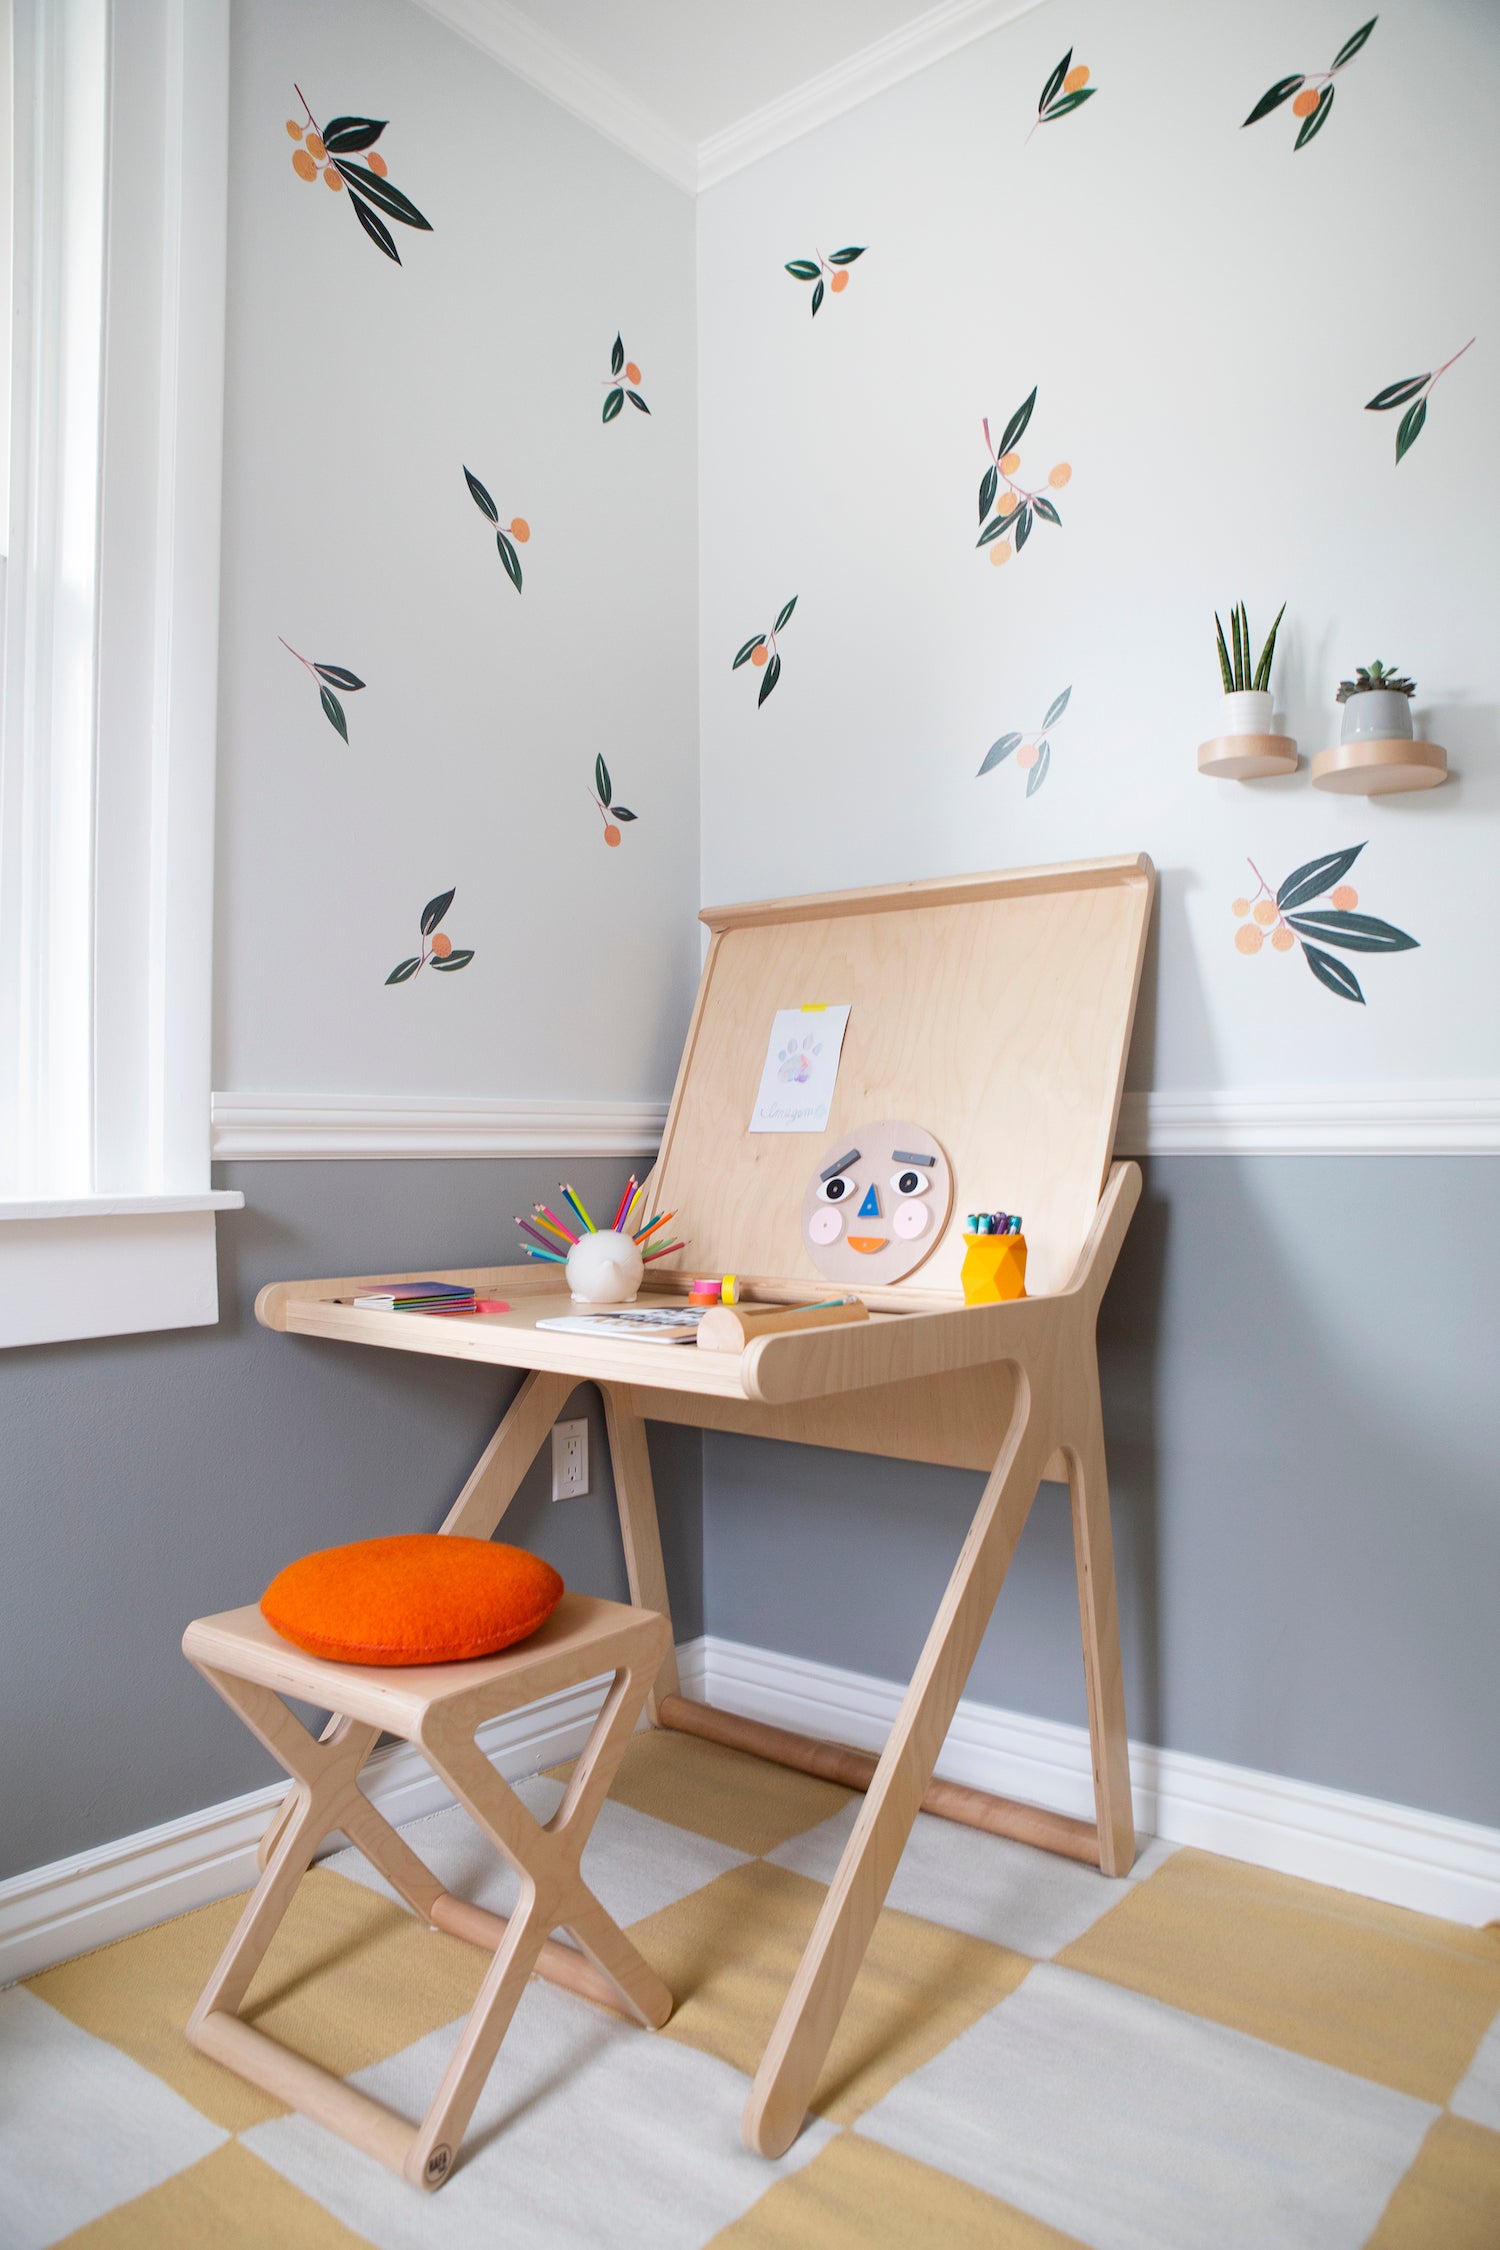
(111, 667)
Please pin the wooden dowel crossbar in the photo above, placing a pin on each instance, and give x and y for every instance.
(303, 2085)
(556, 1963)
(855, 1769)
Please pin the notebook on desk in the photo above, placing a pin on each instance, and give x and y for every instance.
(647, 1324)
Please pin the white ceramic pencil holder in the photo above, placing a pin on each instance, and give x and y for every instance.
(605, 1268)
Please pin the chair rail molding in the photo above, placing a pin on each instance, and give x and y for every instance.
(1441, 1119)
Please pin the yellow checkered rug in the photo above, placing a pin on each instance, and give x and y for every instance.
(1203, 2055)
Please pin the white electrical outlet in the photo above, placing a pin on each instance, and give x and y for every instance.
(570, 1460)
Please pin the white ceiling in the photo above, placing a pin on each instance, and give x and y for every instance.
(699, 88)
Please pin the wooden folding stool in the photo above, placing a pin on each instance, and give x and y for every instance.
(437, 1708)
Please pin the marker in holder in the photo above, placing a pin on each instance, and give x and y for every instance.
(994, 1268)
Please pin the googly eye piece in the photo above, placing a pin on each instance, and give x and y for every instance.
(840, 1189)
(910, 1181)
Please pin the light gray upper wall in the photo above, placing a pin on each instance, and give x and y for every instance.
(152, 1479)
(357, 393)
(1298, 1362)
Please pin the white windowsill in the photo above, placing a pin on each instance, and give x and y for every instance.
(122, 1206)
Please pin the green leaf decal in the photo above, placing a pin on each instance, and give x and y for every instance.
(333, 711)
(784, 613)
(379, 233)
(456, 960)
(804, 269)
(817, 299)
(773, 674)
(989, 485)
(1045, 509)
(434, 910)
(1054, 83)
(1040, 770)
(1315, 123)
(1015, 428)
(1022, 521)
(1282, 91)
(1056, 710)
(1316, 876)
(1356, 933)
(1337, 975)
(996, 528)
(602, 788)
(1069, 101)
(845, 257)
(481, 497)
(621, 812)
(510, 558)
(616, 356)
(403, 970)
(998, 752)
(1353, 44)
(336, 676)
(613, 404)
(636, 399)
(1411, 427)
(748, 651)
(347, 136)
(380, 192)
(1396, 394)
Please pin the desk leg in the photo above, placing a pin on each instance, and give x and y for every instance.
(635, 1496)
(1094, 1556)
(820, 1991)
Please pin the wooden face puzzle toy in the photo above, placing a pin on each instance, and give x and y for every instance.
(877, 1203)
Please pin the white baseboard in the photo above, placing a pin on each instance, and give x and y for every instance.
(1382, 1851)
(1391, 1852)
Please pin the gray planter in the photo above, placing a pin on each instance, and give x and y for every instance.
(1379, 715)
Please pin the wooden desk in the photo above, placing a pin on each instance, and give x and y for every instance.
(997, 1008)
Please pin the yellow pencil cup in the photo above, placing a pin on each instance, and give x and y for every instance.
(994, 1268)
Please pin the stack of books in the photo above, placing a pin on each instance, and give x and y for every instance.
(421, 1296)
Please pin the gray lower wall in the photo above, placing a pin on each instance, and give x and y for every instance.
(1299, 1365)
(149, 1479)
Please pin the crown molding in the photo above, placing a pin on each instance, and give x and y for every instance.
(844, 85)
(568, 78)
(296, 1127)
(558, 70)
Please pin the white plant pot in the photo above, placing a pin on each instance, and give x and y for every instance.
(1379, 715)
(1248, 711)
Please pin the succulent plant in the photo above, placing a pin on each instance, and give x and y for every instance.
(1238, 676)
(1368, 678)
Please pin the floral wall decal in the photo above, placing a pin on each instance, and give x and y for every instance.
(1017, 508)
(1291, 917)
(515, 534)
(601, 793)
(832, 271)
(1412, 392)
(762, 653)
(1066, 89)
(329, 677)
(1033, 751)
(618, 392)
(437, 946)
(1314, 95)
(326, 152)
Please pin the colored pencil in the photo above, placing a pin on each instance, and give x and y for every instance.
(537, 1235)
(625, 1199)
(659, 1221)
(577, 1206)
(551, 1219)
(661, 1253)
(630, 1214)
(546, 1257)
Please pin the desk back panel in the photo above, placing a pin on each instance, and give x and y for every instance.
(996, 1009)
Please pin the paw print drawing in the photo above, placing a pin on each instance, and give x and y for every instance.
(796, 1060)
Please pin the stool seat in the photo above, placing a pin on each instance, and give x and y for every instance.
(583, 1637)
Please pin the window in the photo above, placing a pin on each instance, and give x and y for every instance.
(119, 115)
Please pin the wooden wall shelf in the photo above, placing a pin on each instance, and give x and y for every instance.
(1381, 768)
(1247, 757)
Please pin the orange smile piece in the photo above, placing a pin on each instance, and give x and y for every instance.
(866, 1242)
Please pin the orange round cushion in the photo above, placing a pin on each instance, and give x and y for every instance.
(419, 1598)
